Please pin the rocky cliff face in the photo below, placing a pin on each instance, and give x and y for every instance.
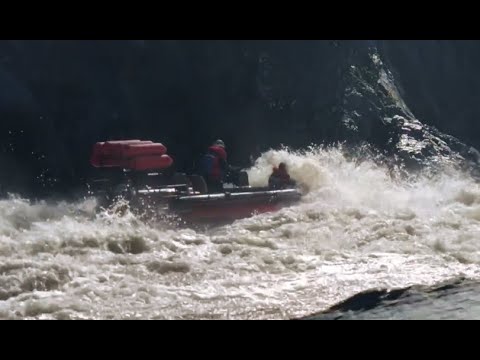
(413, 100)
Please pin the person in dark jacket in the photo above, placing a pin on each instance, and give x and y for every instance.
(213, 166)
(280, 179)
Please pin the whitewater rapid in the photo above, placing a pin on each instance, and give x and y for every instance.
(360, 226)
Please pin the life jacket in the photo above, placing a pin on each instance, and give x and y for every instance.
(210, 166)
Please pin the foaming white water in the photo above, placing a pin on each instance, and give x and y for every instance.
(358, 227)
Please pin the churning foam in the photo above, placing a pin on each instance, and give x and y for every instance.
(359, 226)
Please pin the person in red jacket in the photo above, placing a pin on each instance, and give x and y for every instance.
(280, 179)
(214, 166)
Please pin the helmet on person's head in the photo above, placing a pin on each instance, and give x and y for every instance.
(219, 143)
(282, 166)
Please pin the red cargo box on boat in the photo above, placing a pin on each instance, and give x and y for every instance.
(97, 154)
(130, 154)
(117, 148)
(151, 162)
(109, 153)
(134, 150)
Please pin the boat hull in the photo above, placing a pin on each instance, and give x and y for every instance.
(231, 206)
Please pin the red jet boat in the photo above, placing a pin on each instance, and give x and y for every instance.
(141, 172)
